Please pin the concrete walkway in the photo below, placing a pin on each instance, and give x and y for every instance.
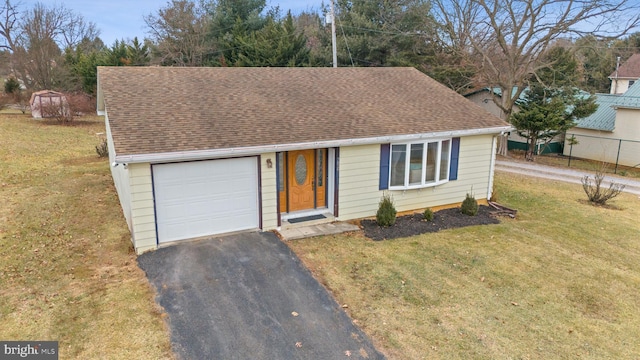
(562, 174)
(302, 231)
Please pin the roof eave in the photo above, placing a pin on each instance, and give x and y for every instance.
(256, 150)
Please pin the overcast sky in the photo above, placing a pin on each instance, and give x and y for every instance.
(123, 19)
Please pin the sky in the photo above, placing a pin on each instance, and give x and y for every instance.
(123, 19)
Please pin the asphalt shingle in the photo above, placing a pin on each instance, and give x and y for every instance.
(170, 109)
(630, 69)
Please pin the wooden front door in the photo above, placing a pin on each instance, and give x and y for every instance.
(301, 179)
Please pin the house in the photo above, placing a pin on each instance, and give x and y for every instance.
(484, 98)
(625, 75)
(612, 133)
(202, 151)
(48, 104)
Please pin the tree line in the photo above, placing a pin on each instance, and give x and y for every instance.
(464, 44)
(461, 43)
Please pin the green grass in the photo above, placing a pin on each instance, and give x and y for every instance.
(67, 269)
(578, 164)
(560, 281)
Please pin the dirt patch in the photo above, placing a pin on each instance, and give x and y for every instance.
(410, 225)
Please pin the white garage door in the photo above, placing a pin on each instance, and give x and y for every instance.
(203, 198)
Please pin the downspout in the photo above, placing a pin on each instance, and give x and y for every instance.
(492, 167)
(615, 88)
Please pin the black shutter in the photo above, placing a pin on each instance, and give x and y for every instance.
(455, 156)
(385, 150)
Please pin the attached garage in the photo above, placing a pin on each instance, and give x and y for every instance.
(201, 198)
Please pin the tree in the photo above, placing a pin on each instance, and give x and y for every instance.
(599, 58)
(506, 39)
(36, 38)
(276, 44)
(179, 31)
(386, 33)
(546, 113)
(8, 24)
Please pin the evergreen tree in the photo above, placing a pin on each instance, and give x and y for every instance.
(545, 113)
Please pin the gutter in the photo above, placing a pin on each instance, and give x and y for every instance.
(256, 150)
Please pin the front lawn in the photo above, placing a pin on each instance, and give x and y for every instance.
(67, 269)
(560, 281)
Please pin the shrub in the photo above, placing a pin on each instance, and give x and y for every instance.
(80, 104)
(469, 206)
(58, 111)
(386, 215)
(428, 215)
(595, 192)
(11, 85)
(103, 148)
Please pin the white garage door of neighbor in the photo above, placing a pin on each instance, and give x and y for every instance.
(203, 198)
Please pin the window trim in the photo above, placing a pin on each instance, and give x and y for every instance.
(407, 159)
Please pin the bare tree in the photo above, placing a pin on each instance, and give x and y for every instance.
(180, 32)
(36, 38)
(506, 39)
(8, 24)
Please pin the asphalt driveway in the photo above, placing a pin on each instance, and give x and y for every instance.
(248, 296)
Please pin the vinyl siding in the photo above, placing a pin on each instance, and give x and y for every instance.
(269, 192)
(605, 147)
(359, 172)
(120, 178)
(142, 207)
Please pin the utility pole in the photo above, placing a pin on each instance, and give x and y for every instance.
(334, 46)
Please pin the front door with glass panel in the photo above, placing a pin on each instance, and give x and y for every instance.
(302, 180)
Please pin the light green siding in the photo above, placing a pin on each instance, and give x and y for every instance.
(269, 192)
(360, 171)
(142, 207)
(120, 176)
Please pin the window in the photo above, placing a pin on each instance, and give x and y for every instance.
(421, 164)
(631, 82)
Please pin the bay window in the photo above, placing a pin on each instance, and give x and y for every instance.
(421, 164)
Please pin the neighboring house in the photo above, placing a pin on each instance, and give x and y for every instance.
(484, 98)
(626, 75)
(203, 151)
(48, 104)
(612, 133)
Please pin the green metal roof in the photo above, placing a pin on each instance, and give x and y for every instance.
(605, 117)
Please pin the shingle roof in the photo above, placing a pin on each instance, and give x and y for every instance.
(167, 109)
(629, 69)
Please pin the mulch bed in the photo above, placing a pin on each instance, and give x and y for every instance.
(410, 225)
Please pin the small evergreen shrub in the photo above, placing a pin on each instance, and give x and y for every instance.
(386, 215)
(11, 86)
(469, 206)
(102, 149)
(428, 215)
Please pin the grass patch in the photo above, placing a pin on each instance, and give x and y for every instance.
(561, 281)
(67, 269)
(577, 164)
